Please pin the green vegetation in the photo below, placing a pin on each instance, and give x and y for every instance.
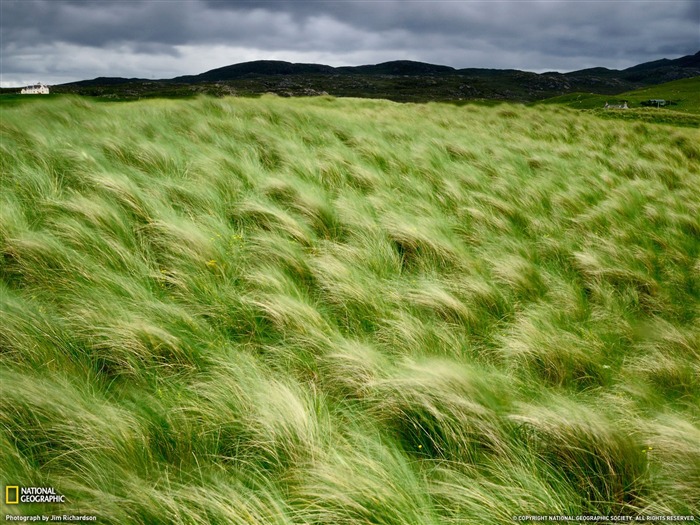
(326, 311)
(685, 110)
(685, 92)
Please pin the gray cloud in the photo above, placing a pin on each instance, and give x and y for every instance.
(62, 40)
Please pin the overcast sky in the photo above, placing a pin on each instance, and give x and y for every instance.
(56, 41)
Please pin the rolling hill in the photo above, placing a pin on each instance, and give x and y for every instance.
(402, 80)
(683, 96)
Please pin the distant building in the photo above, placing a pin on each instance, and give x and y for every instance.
(36, 89)
(655, 102)
(616, 106)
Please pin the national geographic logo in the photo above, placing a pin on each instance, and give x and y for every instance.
(14, 495)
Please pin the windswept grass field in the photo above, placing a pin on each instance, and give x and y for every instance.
(326, 311)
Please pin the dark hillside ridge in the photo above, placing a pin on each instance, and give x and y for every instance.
(485, 72)
(278, 67)
(108, 81)
(664, 70)
(257, 68)
(597, 71)
(399, 80)
(399, 67)
(690, 63)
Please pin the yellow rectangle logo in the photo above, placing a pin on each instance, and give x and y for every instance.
(8, 499)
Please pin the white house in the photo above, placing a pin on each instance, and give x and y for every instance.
(616, 106)
(36, 89)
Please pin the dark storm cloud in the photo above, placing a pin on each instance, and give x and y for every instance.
(94, 24)
(169, 38)
(528, 23)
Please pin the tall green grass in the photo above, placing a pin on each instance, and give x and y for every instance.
(338, 312)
